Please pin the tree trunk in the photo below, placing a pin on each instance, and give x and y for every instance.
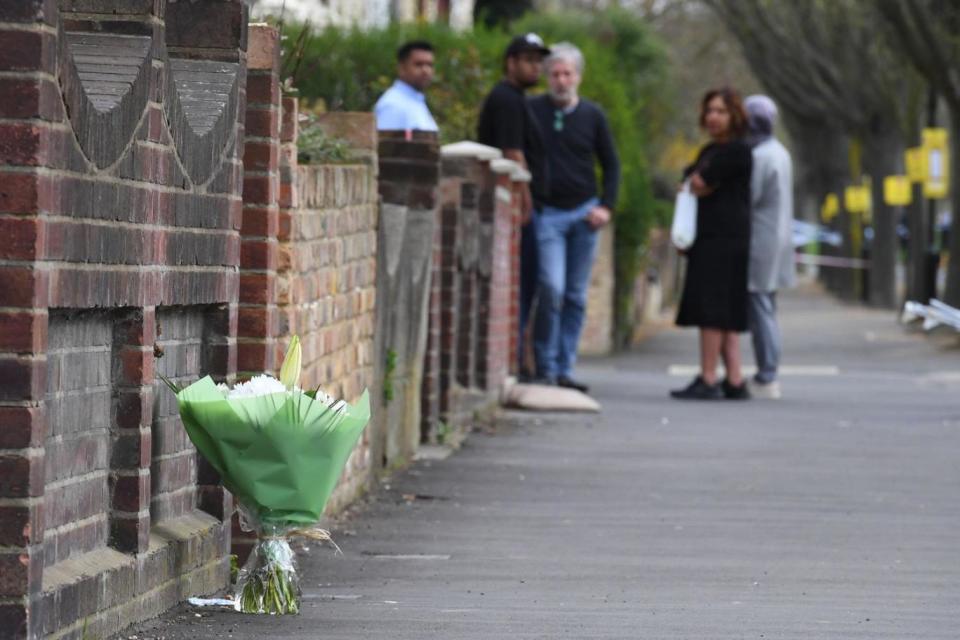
(884, 157)
(918, 247)
(952, 294)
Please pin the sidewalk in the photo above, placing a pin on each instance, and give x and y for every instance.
(831, 514)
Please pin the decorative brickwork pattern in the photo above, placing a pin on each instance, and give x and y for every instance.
(120, 212)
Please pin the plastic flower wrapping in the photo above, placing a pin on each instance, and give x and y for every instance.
(280, 451)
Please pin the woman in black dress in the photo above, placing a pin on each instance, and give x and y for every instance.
(715, 291)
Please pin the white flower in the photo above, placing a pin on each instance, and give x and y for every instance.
(262, 385)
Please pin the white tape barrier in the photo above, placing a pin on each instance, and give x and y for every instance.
(832, 261)
(800, 370)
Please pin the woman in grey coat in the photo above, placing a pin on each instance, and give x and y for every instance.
(772, 264)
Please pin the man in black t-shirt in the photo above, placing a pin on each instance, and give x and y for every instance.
(576, 136)
(507, 124)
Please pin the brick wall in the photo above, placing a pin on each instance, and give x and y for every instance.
(327, 273)
(473, 299)
(308, 254)
(119, 210)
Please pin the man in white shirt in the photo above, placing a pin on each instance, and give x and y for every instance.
(772, 264)
(403, 107)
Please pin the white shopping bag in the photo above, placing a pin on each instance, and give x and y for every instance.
(684, 229)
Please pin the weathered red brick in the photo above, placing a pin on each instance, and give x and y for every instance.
(261, 156)
(259, 189)
(19, 192)
(155, 125)
(21, 427)
(23, 332)
(134, 408)
(220, 25)
(21, 143)
(289, 120)
(254, 357)
(130, 534)
(258, 254)
(13, 619)
(26, 50)
(20, 238)
(22, 378)
(136, 365)
(256, 322)
(14, 573)
(20, 525)
(131, 493)
(263, 88)
(263, 123)
(257, 288)
(28, 11)
(21, 476)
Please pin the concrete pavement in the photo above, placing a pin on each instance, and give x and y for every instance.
(834, 513)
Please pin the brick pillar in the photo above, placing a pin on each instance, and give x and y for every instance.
(430, 395)
(28, 104)
(220, 363)
(516, 181)
(409, 173)
(287, 201)
(134, 338)
(448, 308)
(256, 344)
(463, 255)
(499, 316)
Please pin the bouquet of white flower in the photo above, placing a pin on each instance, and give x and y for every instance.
(279, 451)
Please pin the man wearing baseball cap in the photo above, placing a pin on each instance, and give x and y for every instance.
(507, 124)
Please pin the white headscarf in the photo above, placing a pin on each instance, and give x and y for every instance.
(762, 115)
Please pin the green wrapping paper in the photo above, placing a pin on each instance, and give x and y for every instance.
(280, 455)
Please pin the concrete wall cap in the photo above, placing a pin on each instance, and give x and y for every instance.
(502, 165)
(468, 149)
(516, 172)
(521, 175)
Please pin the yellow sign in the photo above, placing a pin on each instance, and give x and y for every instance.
(934, 137)
(897, 191)
(856, 199)
(830, 207)
(936, 184)
(916, 163)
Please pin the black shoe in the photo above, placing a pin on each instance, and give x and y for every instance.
(698, 390)
(543, 381)
(735, 392)
(570, 383)
(525, 376)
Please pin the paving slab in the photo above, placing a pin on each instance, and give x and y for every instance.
(831, 514)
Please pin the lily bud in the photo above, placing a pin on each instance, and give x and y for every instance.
(292, 362)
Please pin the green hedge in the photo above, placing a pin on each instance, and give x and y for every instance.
(625, 74)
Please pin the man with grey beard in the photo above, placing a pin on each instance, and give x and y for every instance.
(575, 136)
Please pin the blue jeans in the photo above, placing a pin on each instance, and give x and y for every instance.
(566, 244)
(766, 335)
